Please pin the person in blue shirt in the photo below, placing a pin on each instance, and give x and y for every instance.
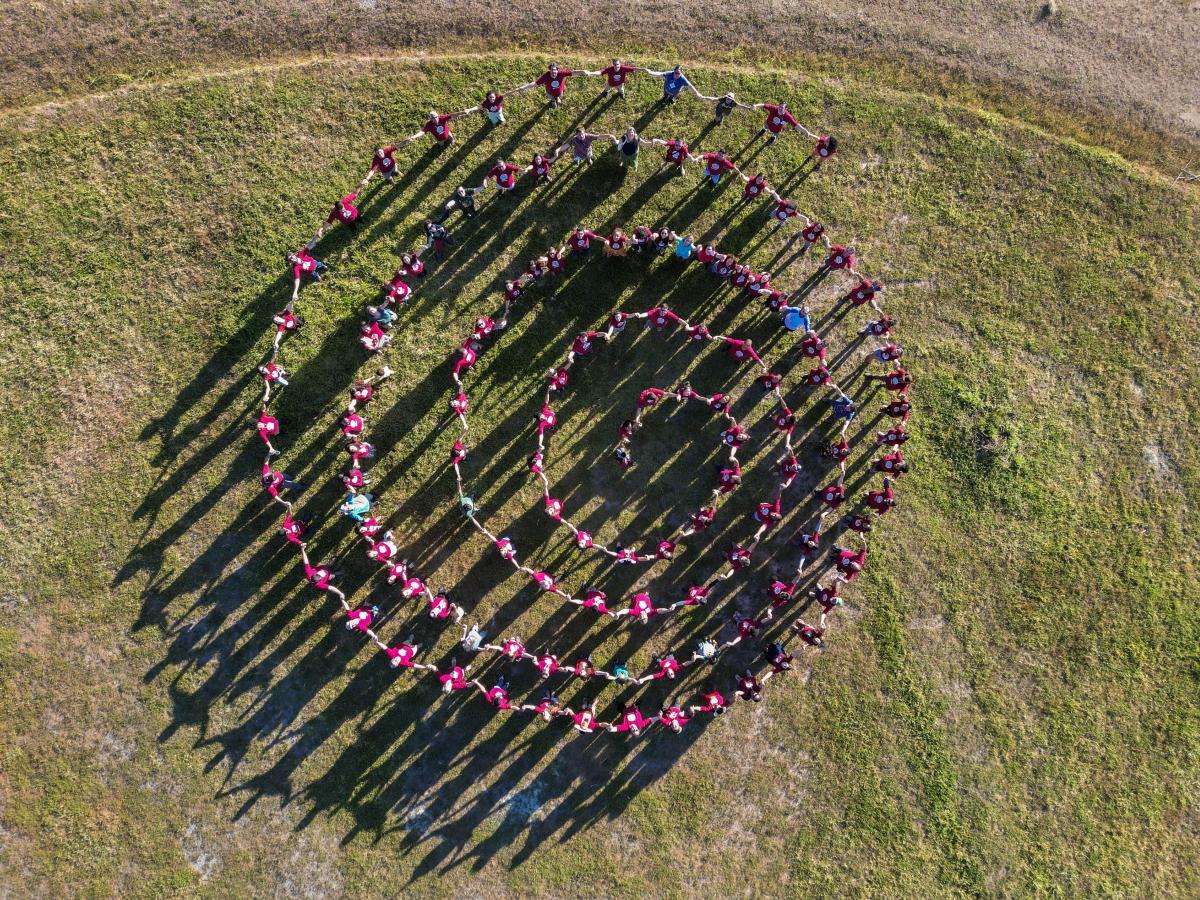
(843, 407)
(674, 81)
(685, 245)
(795, 318)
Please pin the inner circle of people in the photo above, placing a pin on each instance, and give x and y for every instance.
(830, 526)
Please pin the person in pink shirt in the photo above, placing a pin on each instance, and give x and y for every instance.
(616, 75)
(554, 80)
(267, 427)
(304, 264)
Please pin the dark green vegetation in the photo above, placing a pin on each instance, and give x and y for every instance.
(1009, 705)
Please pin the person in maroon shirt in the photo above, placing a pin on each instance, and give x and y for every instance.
(716, 165)
(676, 156)
(616, 74)
(343, 211)
(504, 175)
(778, 118)
(438, 127)
(554, 80)
(384, 162)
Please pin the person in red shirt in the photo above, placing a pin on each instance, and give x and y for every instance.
(616, 74)
(676, 156)
(756, 186)
(882, 500)
(839, 258)
(778, 118)
(438, 127)
(304, 263)
(892, 464)
(403, 655)
(673, 717)
(554, 80)
(825, 148)
(827, 598)
(384, 162)
(814, 637)
(897, 380)
(293, 528)
(505, 175)
(268, 427)
(273, 482)
(784, 209)
(616, 244)
(849, 562)
(881, 327)
(898, 408)
(580, 239)
(864, 292)
(713, 702)
(454, 678)
(748, 687)
(540, 167)
(716, 165)
(631, 720)
(343, 211)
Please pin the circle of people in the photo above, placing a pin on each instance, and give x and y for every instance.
(843, 563)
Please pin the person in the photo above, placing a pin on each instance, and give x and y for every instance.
(631, 720)
(668, 667)
(628, 146)
(267, 427)
(584, 721)
(796, 318)
(616, 244)
(674, 82)
(832, 495)
(580, 145)
(849, 563)
(356, 506)
(879, 328)
(748, 687)
(864, 292)
(472, 638)
(784, 209)
(548, 707)
(361, 617)
(504, 175)
(497, 696)
(274, 481)
(892, 464)
(677, 154)
(756, 186)
(824, 149)
(454, 678)
(440, 607)
(717, 164)
(343, 211)
(402, 656)
(304, 263)
(493, 104)
(881, 500)
(714, 702)
(293, 528)
(319, 576)
(540, 167)
(778, 118)
(438, 127)
(776, 654)
(463, 199)
(673, 717)
(897, 380)
(706, 651)
(616, 74)
(273, 373)
(554, 80)
(286, 322)
(384, 162)
(437, 237)
(580, 239)
(685, 246)
(814, 637)
(724, 105)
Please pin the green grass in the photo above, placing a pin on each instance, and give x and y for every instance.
(1008, 705)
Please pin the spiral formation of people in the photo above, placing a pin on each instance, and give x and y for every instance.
(817, 423)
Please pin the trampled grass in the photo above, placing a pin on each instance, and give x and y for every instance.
(1008, 704)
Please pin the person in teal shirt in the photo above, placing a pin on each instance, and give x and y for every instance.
(685, 245)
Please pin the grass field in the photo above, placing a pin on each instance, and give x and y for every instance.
(1008, 706)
